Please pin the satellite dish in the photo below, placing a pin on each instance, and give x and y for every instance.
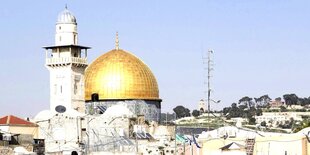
(60, 109)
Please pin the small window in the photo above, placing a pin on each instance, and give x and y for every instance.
(60, 89)
(75, 86)
(59, 27)
(74, 39)
(59, 38)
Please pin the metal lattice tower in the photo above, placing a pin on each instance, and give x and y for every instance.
(209, 69)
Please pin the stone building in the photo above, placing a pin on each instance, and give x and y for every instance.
(98, 108)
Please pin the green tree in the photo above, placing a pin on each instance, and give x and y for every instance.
(249, 113)
(235, 111)
(263, 123)
(290, 99)
(259, 112)
(252, 120)
(301, 125)
(283, 109)
(303, 101)
(264, 100)
(181, 111)
(187, 112)
(195, 113)
(247, 101)
(242, 107)
(226, 110)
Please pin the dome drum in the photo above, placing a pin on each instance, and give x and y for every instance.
(95, 98)
(150, 109)
(156, 102)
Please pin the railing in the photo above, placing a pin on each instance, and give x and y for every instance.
(65, 60)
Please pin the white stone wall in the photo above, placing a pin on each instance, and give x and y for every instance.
(66, 34)
(107, 134)
(62, 133)
(67, 87)
(280, 116)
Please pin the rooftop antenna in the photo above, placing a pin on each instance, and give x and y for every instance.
(116, 42)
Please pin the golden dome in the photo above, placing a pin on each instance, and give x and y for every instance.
(120, 75)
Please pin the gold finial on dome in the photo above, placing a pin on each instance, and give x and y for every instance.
(116, 42)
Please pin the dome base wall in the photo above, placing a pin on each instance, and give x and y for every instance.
(151, 109)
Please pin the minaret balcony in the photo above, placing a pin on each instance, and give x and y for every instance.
(65, 61)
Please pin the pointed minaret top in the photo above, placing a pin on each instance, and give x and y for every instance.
(116, 42)
(66, 7)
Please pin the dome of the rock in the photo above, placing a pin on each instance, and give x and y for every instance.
(119, 75)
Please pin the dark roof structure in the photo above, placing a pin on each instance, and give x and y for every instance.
(233, 146)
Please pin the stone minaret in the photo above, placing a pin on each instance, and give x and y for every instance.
(66, 62)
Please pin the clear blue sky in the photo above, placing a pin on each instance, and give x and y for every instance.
(261, 47)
